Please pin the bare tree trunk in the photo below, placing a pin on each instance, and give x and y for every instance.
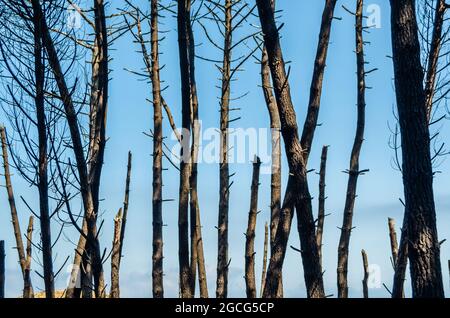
(90, 213)
(393, 240)
(12, 203)
(434, 55)
(420, 214)
(294, 151)
(224, 175)
(353, 172)
(280, 243)
(125, 203)
(197, 254)
(250, 280)
(366, 274)
(401, 264)
(157, 257)
(28, 288)
(115, 257)
(2, 269)
(322, 198)
(44, 216)
(185, 165)
(264, 266)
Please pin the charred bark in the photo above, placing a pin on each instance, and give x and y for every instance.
(28, 288)
(294, 151)
(420, 214)
(354, 171)
(115, 256)
(250, 280)
(2, 269)
(224, 173)
(285, 221)
(322, 198)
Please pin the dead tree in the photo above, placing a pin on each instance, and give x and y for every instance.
(366, 274)
(354, 171)
(297, 153)
(115, 256)
(31, 110)
(264, 266)
(224, 173)
(12, 204)
(275, 126)
(85, 176)
(250, 280)
(28, 288)
(322, 198)
(433, 39)
(157, 256)
(184, 21)
(273, 280)
(197, 255)
(423, 244)
(393, 240)
(297, 166)
(401, 264)
(2, 269)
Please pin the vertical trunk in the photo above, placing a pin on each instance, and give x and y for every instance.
(420, 214)
(280, 243)
(197, 254)
(278, 252)
(2, 269)
(125, 204)
(12, 203)
(401, 264)
(250, 281)
(434, 55)
(353, 172)
(115, 257)
(294, 151)
(44, 217)
(183, 20)
(90, 214)
(393, 240)
(366, 274)
(157, 256)
(264, 266)
(322, 198)
(28, 289)
(224, 182)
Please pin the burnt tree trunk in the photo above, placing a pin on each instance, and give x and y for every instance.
(294, 151)
(264, 264)
(353, 172)
(250, 280)
(401, 264)
(28, 288)
(197, 254)
(322, 198)
(12, 203)
(157, 219)
(366, 274)
(282, 234)
(434, 55)
(90, 214)
(393, 240)
(420, 214)
(183, 19)
(44, 217)
(115, 257)
(224, 174)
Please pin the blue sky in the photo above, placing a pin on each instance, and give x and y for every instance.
(130, 115)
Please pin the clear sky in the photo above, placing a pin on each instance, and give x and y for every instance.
(130, 115)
